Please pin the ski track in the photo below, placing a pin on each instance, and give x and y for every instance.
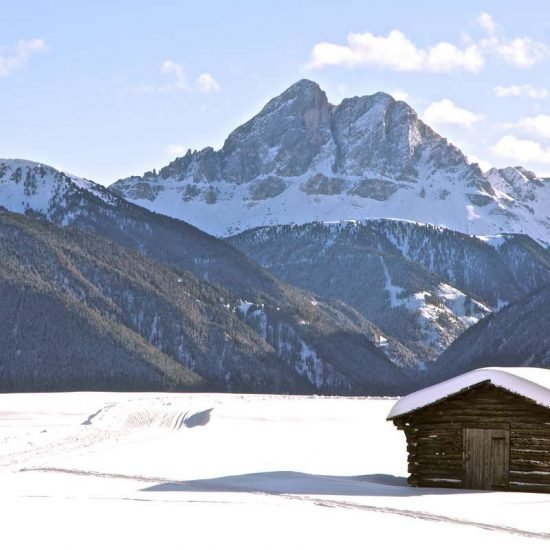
(331, 503)
(68, 444)
(426, 516)
(78, 439)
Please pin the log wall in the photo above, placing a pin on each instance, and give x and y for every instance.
(435, 437)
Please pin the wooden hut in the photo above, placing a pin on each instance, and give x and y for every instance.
(486, 429)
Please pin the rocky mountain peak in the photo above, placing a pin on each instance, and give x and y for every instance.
(302, 159)
(376, 132)
(283, 138)
(303, 89)
(518, 183)
(529, 174)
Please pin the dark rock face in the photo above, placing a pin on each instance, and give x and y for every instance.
(375, 132)
(283, 139)
(300, 129)
(266, 188)
(376, 189)
(323, 185)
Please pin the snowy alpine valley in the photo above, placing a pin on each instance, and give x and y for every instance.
(343, 249)
(274, 275)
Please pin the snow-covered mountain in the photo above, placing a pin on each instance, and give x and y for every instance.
(421, 284)
(525, 194)
(303, 159)
(30, 186)
(519, 184)
(416, 286)
(329, 346)
(403, 292)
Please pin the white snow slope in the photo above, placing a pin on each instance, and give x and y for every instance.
(27, 185)
(216, 471)
(234, 212)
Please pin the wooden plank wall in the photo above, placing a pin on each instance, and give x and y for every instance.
(530, 456)
(435, 441)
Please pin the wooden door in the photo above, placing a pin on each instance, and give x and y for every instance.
(486, 458)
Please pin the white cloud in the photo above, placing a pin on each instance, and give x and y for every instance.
(525, 90)
(447, 112)
(207, 83)
(538, 125)
(15, 57)
(395, 51)
(523, 151)
(487, 23)
(170, 67)
(399, 95)
(176, 150)
(520, 52)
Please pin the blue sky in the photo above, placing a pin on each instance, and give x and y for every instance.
(106, 89)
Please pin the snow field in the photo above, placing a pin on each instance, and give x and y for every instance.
(231, 471)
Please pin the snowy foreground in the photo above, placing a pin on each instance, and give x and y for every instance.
(229, 471)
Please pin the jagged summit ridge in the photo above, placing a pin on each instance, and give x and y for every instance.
(518, 183)
(299, 131)
(302, 159)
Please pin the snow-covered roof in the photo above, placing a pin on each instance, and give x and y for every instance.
(529, 382)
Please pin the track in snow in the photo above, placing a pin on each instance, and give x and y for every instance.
(330, 503)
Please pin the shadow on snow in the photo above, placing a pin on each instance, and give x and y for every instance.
(298, 483)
